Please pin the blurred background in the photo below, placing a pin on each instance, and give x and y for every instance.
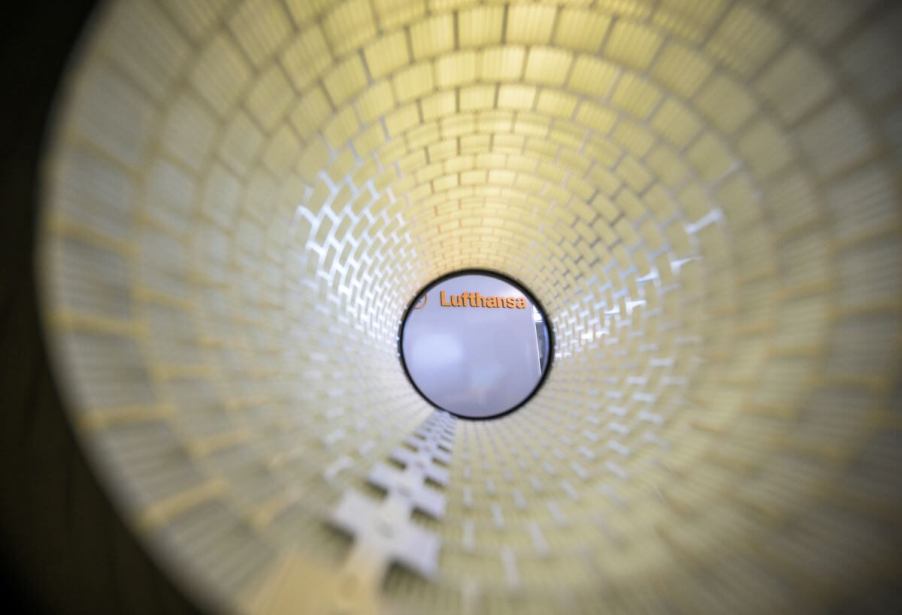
(216, 212)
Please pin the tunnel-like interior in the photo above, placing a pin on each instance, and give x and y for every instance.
(242, 197)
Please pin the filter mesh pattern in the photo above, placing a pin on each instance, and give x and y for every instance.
(242, 197)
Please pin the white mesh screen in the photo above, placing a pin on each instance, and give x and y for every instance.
(242, 197)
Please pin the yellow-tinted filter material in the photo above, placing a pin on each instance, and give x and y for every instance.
(242, 197)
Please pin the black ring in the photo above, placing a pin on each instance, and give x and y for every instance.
(505, 278)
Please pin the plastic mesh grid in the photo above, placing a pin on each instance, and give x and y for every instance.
(242, 198)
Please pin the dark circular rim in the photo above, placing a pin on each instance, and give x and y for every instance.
(505, 278)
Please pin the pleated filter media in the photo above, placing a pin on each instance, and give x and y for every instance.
(241, 198)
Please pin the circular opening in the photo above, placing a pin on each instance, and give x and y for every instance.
(476, 344)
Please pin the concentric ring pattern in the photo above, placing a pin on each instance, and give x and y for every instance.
(241, 198)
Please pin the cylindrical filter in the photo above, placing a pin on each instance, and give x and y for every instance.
(241, 198)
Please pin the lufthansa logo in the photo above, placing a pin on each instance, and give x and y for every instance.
(470, 299)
